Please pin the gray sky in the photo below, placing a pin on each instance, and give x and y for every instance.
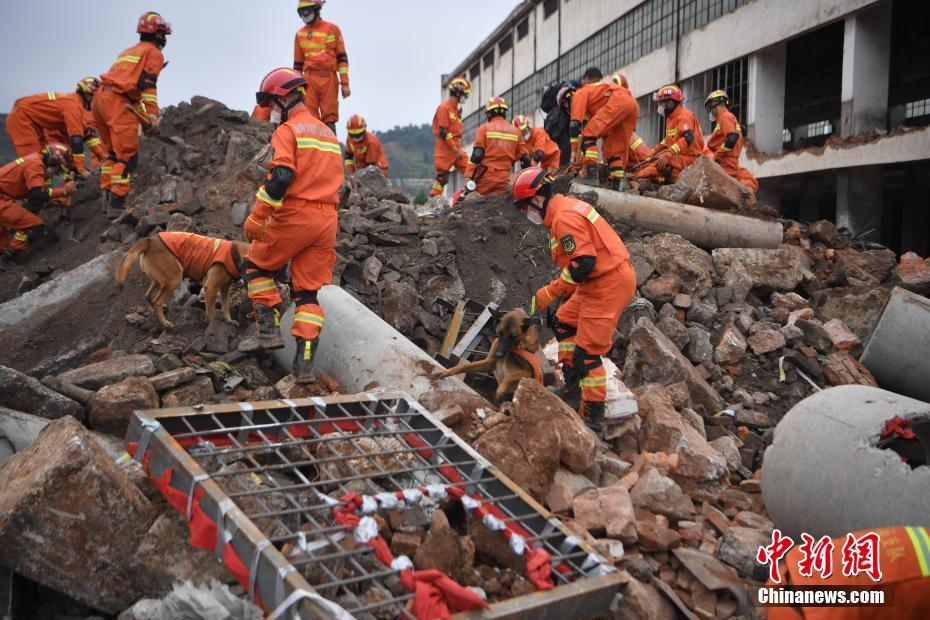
(221, 49)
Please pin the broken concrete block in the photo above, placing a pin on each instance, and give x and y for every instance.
(713, 188)
(565, 486)
(870, 267)
(67, 513)
(815, 334)
(738, 548)
(172, 378)
(194, 393)
(673, 255)
(662, 289)
(914, 272)
(642, 600)
(699, 349)
(660, 495)
(653, 358)
(765, 341)
(110, 409)
(618, 506)
(588, 511)
(841, 336)
(674, 331)
(109, 371)
(732, 345)
(841, 368)
(187, 600)
(23, 393)
(779, 269)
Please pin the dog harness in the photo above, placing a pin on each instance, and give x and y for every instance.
(197, 253)
(532, 360)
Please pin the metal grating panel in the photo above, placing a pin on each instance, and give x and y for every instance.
(270, 474)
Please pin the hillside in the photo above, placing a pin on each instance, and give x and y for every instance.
(409, 150)
(7, 154)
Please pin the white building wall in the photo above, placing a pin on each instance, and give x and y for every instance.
(503, 72)
(524, 55)
(582, 18)
(547, 37)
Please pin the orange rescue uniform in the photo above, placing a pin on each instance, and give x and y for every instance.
(366, 152)
(541, 144)
(448, 153)
(302, 226)
(320, 53)
(131, 80)
(639, 150)
(728, 157)
(609, 112)
(904, 558)
(16, 179)
(37, 118)
(588, 318)
(503, 146)
(197, 253)
(680, 154)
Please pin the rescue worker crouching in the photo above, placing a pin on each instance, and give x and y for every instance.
(363, 148)
(726, 139)
(293, 219)
(320, 54)
(498, 145)
(542, 150)
(596, 284)
(447, 127)
(683, 142)
(26, 178)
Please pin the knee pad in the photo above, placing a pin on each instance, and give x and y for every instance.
(562, 331)
(585, 362)
(305, 298)
(251, 271)
(442, 177)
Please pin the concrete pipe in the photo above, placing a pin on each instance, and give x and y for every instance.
(823, 474)
(358, 349)
(704, 227)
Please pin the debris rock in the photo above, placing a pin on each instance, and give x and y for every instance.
(659, 494)
(398, 300)
(218, 337)
(815, 334)
(914, 272)
(699, 348)
(188, 601)
(841, 368)
(859, 311)
(565, 486)
(765, 341)
(841, 336)
(172, 378)
(738, 548)
(642, 600)
(732, 345)
(110, 409)
(675, 331)
(868, 268)
(112, 370)
(442, 549)
(23, 393)
(193, 393)
(777, 269)
(673, 255)
(710, 187)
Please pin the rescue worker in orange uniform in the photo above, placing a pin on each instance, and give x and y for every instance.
(596, 284)
(904, 558)
(447, 127)
(294, 219)
(542, 150)
(726, 140)
(47, 117)
(604, 111)
(320, 53)
(683, 142)
(132, 82)
(498, 146)
(363, 148)
(26, 178)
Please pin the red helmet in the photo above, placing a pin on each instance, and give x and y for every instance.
(460, 86)
(356, 125)
(57, 154)
(528, 183)
(152, 23)
(88, 85)
(522, 123)
(668, 93)
(278, 83)
(620, 80)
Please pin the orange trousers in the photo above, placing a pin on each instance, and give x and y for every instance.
(25, 136)
(303, 233)
(119, 128)
(592, 313)
(493, 182)
(676, 163)
(731, 166)
(14, 217)
(615, 123)
(322, 94)
(446, 155)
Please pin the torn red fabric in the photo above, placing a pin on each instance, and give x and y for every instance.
(438, 596)
(898, 427)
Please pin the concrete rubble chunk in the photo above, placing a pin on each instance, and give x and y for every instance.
(868, 268)
(194, 393)
(841, 368)
(739, 281)
(674, 331)
(172, 378)
(815, 334)
(738, 548)
(709, 186)
(699, 349)
(841, 336)
(653, 358)
(643, 600)
(675, 256)
(109, 371)
(859, 311)
(187, 600)
(732, 345)
(110, 409)
(765, 341)
(442, 549)
(659, 494)
(914, 272)
(23, 393)
(779, 269)
(67, 512)
(565, 486)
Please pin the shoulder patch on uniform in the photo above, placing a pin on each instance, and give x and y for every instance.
(568, 244)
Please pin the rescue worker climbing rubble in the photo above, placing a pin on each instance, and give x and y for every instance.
(447, 127)
(293, 219)
(128, 98)
(540, 147)
(596, 284)
(604, 111)
(726, 139)
(47, 117)
(363, 148)
(498, 146)
(26, 178)
(683, 142)
(320, 53)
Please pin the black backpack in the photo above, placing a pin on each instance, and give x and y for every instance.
(549, 96)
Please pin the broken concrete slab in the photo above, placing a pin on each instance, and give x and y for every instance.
(779, 269)
(709, 186)
(109, 371)
(67, 512)
(23, 393)
(672, 255)
(859, 311)
(660, 495)
(110, 409)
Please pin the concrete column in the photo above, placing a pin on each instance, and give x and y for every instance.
(766, 106)
(866, 63)
(859, 200)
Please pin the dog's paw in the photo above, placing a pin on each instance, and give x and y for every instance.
(439, 374)
(231, 322)
(167, 324)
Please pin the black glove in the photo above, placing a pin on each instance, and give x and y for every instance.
(443, 132)
(525, 161)
(574, 129)
(539, 155)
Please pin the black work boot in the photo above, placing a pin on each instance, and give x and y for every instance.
(590, 176)
(116, 206)
(105, 200)
(594, 414)
(268, 336)
(303, 360)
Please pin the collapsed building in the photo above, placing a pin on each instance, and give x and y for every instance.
(181, 472)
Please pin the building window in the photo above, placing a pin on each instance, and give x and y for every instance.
(523, 29)
(505, 45)
(550, 7)
(820, 128)
(488, 59)
(917, 108)
(785, 136)
(475, 71)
